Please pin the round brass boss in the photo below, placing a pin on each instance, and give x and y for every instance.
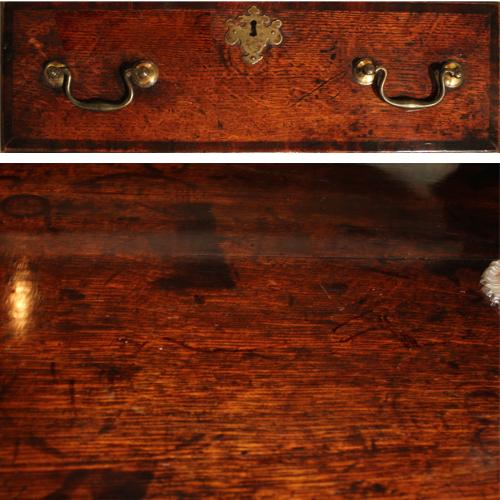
(145, 74)
(364, 71)
(454, 76)
(54, 74)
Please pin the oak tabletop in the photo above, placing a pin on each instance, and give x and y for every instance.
(241, 331)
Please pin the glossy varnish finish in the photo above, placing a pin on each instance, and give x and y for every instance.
(300, 97)
(246, 332)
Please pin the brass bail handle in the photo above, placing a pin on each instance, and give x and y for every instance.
(144, 74)
(449, 76)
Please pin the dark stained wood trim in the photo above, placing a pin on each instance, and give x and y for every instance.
(458, 7)
(33, 146)
(6, 76)
(494, 90)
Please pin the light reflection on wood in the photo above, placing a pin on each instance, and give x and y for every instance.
(21, 297)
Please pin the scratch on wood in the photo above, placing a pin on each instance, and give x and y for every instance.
(326, 292)
(335, 77)
(42, 445)
(210, 350)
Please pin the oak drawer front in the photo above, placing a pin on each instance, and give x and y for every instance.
(300, 96)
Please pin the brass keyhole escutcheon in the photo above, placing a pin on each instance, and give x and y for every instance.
(253, 32)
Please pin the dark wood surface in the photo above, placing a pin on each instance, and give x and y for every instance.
(236, 331)
(301, 97)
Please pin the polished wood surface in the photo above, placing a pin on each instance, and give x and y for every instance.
(301, 97)
(205, 331)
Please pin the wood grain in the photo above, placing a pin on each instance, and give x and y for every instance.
(173, 331)
(299, 98)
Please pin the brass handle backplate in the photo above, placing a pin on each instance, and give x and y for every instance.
(449, 76)
(144, 74)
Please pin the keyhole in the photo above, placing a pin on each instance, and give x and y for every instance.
(253, 28)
